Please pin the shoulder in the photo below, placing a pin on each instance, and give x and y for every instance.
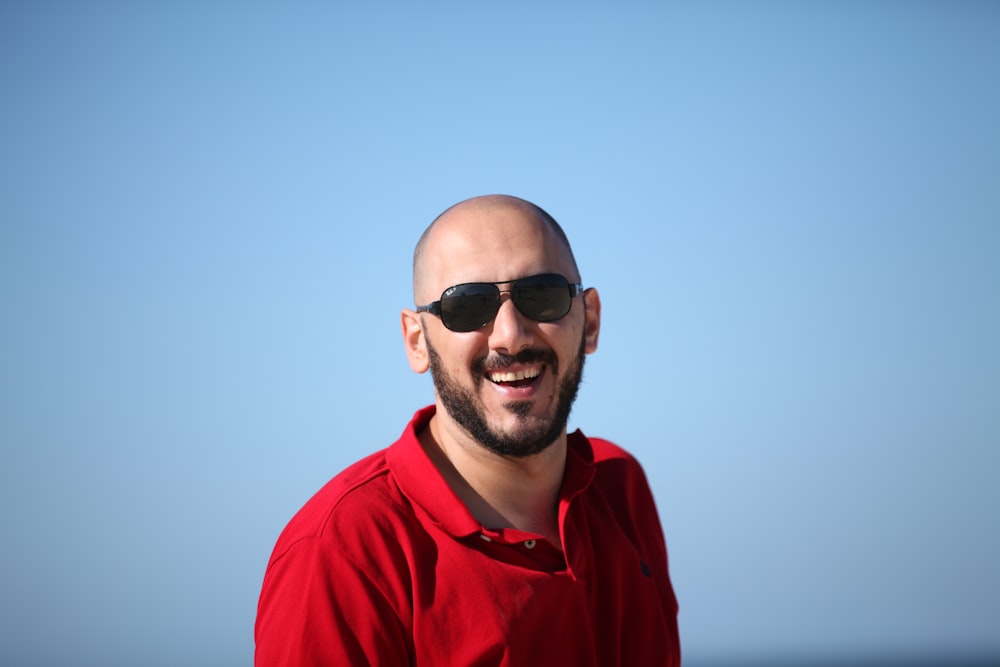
(338, 569)
(605, 450)
(617, 474)
(360, 499)
(607, 457)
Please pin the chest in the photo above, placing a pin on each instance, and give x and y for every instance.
(508, 599)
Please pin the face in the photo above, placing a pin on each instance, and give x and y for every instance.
(511, 384)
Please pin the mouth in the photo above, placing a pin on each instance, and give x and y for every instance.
(516, 379)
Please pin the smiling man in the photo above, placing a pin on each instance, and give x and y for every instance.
(485, 535)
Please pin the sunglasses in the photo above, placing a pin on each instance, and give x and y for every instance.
(546, 297)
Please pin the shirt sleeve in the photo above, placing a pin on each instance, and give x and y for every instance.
(318, 607)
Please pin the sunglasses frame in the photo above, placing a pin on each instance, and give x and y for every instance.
(434, 308)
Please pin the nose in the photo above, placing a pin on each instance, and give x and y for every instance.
(511, 331)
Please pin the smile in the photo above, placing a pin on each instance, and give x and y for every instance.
(498, 377)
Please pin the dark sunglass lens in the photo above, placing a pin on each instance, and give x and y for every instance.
(544, 298)
(469, 307)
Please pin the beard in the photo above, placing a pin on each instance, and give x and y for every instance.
(532, 435)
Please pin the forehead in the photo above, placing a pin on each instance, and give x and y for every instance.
(492, 244)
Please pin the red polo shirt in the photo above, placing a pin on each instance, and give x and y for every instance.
(386, 566)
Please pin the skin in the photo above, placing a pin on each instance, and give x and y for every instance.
(499, 238)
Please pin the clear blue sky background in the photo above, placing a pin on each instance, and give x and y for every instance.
(792, 210)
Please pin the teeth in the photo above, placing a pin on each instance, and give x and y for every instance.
(526, 374)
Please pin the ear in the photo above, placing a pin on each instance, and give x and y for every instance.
(592, 319)
(413, 341)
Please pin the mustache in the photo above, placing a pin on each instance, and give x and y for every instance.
(499, 361)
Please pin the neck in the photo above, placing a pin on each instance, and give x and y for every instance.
(500, 491)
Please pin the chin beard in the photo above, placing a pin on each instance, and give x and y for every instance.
(532, 434)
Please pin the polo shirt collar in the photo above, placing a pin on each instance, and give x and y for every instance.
(421, 482)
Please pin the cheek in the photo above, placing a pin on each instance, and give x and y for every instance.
(565, 341)
(462, 355)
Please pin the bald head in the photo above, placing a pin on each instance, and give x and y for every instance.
(479, 234)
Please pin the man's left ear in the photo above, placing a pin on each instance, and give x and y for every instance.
(592, 319)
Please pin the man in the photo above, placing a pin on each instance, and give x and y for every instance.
(485, 535)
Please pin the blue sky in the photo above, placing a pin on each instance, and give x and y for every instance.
(791, 210)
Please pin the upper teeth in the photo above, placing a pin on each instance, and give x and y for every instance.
(526, 374)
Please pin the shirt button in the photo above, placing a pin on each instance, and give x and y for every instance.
(529, 544)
